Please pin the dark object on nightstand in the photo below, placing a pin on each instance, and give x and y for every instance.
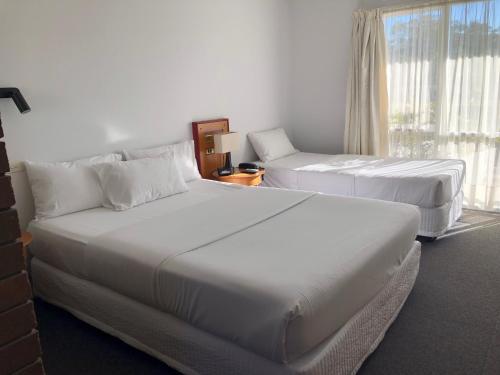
(19, 344)
(249, 171)
(225, 171)
(249, 168)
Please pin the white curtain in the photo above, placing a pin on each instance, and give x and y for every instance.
(443, 69)
(366, 129)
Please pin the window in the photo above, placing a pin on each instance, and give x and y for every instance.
(444, 90)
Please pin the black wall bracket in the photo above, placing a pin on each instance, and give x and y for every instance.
(16, 96)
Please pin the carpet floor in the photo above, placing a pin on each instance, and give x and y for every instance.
(450, 323)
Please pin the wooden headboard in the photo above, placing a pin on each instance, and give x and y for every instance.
(203, 132)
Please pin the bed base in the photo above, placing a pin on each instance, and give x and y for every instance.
(434, 222)
(193, 351)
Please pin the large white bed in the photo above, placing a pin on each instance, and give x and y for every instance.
(224, 279)
(434, 186)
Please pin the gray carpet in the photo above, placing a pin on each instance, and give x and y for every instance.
(449, 325)
(472, 220)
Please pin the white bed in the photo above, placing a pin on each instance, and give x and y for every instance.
(289, 283)
(434, 186)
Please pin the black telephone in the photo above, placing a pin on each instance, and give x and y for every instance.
(249, 168)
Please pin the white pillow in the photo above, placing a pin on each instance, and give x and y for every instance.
(131, 183)
(183, 153)
(66, 187)
(272, 144)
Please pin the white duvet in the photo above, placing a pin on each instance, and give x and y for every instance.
(424, 183)
(274, 271)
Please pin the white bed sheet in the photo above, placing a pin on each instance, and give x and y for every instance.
(424, 183)
(290, 268)
(62, 241)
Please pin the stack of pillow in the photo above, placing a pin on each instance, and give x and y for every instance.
(146, 175)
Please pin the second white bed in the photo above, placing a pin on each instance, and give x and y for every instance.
(434, 186)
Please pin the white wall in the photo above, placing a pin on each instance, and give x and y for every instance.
(369, 4)
(105, 75)
(321, 39)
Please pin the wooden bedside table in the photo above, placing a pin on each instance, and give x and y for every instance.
(241, 178)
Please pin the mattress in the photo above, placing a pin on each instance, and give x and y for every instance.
(193, 351)
(290, 268)
(424, 183)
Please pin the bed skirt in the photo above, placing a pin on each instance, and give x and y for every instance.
(436, 221)
(193, 351)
